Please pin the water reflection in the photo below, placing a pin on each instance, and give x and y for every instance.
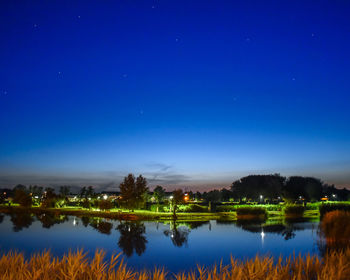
(178, 234)
(21, 220)
(132, 238)
(85, 221)
(50, 219)
(286, 228)
(102, 226)
(1, 218)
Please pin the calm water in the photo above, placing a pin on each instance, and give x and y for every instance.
(148, 244)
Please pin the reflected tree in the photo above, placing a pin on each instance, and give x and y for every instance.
(102, 226)
(85, 220)
(196, 224)
(132, 238)
(21, 220)
(287, 230)
(1, 218)
(178, 235)
(48, 220)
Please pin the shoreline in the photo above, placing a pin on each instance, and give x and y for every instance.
(144, 215)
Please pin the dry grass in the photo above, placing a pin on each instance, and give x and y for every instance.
(74, 266)
(335, 229)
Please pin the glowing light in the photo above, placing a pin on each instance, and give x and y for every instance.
(262, 234)
(186, 197)
(105, 197)
(171, 197)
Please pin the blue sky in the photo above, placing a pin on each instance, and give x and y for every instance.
(188, 93)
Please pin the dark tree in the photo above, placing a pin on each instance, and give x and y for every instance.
(225, 194)
(212, 196)
(178, 198)
(83, 192)
(49, 198)
(90, 192)
(36, 191)
(159, 194)
(306, 187)
(132, 237)
(21, 196)
(198, 196)
(133, 192)
(64, 191)
(256, 186)
(140, 191)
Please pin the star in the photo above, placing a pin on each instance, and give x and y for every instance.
(293, 79)
(177, 39)
(78, 16)
(35, 25)
(124, 75)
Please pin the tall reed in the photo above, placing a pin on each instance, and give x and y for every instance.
(77, 266)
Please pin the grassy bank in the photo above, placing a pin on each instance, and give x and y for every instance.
(118, 214)
(76, 266)
(247, 212)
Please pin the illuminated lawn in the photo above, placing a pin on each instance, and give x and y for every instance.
(123, 214)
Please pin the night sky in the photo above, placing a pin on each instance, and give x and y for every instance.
(188, 93)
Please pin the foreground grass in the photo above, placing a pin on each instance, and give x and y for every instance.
(76, 266)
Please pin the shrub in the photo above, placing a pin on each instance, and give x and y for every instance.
(294, 210)
(195, 208)
(160, 208)
(22, 198)
(105, 205)
(312, 206)
(226, 208)
(255, 211)
(274, 207)
(328, 207)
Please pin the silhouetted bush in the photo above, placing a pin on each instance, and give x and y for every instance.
(294, 210)
(226, 208)
(105, 205)
(328, 207)
(195, 208)
(254, 211)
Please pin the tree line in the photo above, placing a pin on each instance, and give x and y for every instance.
(135, 194)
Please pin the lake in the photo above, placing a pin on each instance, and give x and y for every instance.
(177, 246)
